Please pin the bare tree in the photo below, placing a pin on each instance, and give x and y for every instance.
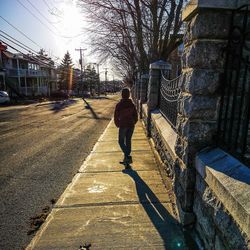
(133, 33)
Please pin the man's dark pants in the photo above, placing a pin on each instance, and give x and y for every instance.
(125, 136)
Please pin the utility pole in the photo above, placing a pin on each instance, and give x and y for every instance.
(106, 79)
(81, 63)
(98, 72)
(113, 85)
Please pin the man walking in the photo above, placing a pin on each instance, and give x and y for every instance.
(125, 119)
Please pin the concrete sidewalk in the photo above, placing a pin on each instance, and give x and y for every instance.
(112, 208)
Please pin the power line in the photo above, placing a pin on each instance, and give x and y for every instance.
(27, 56)
(46, 3)
(45, 25)
(16, 43)
(16, 40)
(20, 32)
(41, 14)
(35, 59)
(51, 9)
(13, 26)
(23, 46)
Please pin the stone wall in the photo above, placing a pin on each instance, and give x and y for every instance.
(203, 63)
(221, 201)
(216, 227)
(199, 203)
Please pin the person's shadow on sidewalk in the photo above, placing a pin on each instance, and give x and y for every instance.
(165, 224)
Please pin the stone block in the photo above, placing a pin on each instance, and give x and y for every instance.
(206, 195)
(229, 230)
(198, 134)
(210, 212)
(164, 154)
(203, 241)
(202, 107)
(202, 133)
(204, 223)
(182, 125)
(209, 24)
(179, 192)
(185, 197)
(181, 149)
(205, 54)
(185, 176)
(229, 181)
(201, 82)
(167, 134)
(185, 218)
(215, 5)
(200, 185)
(219, 244)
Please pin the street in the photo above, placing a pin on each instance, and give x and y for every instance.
(42, 147)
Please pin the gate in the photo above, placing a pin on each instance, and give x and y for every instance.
(233, 125)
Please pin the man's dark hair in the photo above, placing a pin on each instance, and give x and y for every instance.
(125, 93)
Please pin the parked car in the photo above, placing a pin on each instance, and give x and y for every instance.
(4, 97)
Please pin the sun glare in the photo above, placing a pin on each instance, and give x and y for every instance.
(70, 26)
(71, 19)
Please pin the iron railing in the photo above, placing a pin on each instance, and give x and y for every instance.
(169, 95)
(13, 72)
(233, 126)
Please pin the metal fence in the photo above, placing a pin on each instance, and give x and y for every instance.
(169, 95)
(233, 126)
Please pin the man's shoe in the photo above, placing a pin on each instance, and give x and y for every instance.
(125, 161)
(127, 166)
(129, 159)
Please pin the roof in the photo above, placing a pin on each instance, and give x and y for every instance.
(8, 54)
(2, 46)
(14, 56)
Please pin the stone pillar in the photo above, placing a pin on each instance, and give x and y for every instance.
(208, 23)
(154, 83)
(154, 88)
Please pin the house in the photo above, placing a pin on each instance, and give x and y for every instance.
(27, 75)
(2, 72)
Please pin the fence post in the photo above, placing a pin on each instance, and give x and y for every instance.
(153, 88)
(143, 91)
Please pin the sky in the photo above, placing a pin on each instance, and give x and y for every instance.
(54, 25)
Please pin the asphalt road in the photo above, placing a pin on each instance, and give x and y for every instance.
(41, 148)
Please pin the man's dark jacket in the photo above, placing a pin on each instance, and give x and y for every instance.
(125, 114)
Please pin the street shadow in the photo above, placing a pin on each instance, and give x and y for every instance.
(91, 117)
(167, 226)
(61, 105)
(101, 97)
(88, 106)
